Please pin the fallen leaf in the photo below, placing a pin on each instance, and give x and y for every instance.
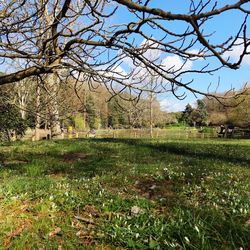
(56, 231)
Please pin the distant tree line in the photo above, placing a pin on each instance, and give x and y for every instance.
(208, 111)
(235, 111)
(39, 105)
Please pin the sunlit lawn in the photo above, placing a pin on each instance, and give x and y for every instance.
(121, 194)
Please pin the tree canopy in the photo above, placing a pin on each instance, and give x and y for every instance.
(89, 41)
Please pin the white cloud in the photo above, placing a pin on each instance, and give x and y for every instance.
(194, 51)
(115, 71)
(119, 71)
(139, 74)
(170, 105)
(200, 54)
(171, 64)
(235, 53)
(175, 63)
(128, 61)
(152, 52)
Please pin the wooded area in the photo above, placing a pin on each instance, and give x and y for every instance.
(33, 107)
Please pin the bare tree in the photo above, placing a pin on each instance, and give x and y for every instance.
(81, 36)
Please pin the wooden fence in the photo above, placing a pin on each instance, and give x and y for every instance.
(168, 133)
(157, 133)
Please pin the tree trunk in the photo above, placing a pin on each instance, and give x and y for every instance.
(151, 114)
(38, 119)
(54, 120)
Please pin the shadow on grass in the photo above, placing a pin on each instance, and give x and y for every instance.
(71, 158)
(227, 154)
(220, 152)
(73, 163)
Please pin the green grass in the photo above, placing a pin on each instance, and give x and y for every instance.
(81, 194)
(171, 132)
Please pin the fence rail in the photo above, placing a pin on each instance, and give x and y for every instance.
(168, 133)
(157, 133)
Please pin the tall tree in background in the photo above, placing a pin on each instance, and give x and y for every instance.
(202, 115)
(11, 121)
(91, 112)
(195, 116)
(117, 115)
(186, 115)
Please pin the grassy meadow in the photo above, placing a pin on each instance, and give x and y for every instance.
(125, 194)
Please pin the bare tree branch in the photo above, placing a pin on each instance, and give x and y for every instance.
(81, 37)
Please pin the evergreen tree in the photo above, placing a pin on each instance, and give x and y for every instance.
(202, 117)
(11, 121)
(91, 112)
(195, 117)
(186, 114)
(118, 117)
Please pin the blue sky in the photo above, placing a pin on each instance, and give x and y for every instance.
(224, 25)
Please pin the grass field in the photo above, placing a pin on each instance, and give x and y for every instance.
(125, 194)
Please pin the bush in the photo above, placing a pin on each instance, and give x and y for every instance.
(177, 125)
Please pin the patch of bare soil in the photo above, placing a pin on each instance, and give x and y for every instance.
(72, 157)
(153, 189)
(24, 224)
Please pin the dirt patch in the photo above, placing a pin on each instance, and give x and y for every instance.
(25, 224)
(153, 189)
(72, 157)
